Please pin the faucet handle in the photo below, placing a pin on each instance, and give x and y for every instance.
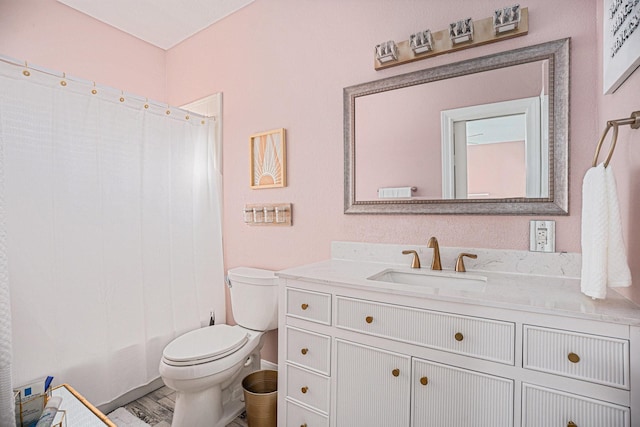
(460, 263)
(415, 262)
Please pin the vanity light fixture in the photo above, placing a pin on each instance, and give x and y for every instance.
(421, 42)
(387, 52)
(506, 19)
(503, 24)
(461, 31)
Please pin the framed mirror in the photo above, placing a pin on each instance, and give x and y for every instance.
(487, 135)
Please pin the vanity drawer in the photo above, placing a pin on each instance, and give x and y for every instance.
(591, 358)
(298, 416)
(313, 306)
(308, 388)
(308, 349)
(482, 338)
(546, 407)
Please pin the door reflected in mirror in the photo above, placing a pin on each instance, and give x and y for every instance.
(491, 150)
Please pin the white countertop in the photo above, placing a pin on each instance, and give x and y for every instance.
(556, 295)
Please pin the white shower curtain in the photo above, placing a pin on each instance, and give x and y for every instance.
(113, 230)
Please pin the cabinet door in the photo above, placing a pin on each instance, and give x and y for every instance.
(372, 386)
(447, 396)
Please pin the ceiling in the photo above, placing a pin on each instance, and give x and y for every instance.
(163, 23)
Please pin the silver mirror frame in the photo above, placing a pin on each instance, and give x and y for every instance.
(557, 53)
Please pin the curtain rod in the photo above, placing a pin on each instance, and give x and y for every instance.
(30, 67)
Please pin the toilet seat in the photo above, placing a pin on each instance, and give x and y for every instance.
(204, 345)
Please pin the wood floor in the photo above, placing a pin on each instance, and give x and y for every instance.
(156, 409)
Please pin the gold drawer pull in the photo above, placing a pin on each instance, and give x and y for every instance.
(458, 336)
(424, 380)
(304, 351)
(368, 319)
(304, 306)
(572, 424)
(395, 372)
(573, 358)
(304, 390)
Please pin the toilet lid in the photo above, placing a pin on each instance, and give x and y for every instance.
(204, 345)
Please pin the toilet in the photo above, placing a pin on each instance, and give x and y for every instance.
(206, 366)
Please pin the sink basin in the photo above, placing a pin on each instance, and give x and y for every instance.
(433, 279)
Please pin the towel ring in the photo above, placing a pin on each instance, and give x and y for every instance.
(610, 124)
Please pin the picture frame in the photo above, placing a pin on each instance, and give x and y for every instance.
(267, 159)
(621, 42)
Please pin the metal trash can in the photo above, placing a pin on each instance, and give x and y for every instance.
(261, 398)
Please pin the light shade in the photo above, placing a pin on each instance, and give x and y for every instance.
(506, 19)
(421, 42)
(461, 31)
(387, 52)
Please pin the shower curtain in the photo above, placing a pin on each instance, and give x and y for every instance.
(113, 231)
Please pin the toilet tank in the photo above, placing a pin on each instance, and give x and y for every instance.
(254, 297)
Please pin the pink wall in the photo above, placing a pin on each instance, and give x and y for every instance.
(509, 180)
(626, 160)
(55, 36)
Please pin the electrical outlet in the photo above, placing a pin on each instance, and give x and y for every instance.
(542, 237)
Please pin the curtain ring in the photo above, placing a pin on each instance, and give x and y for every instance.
(610, 124)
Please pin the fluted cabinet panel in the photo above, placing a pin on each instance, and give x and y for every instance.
(473, 336)
(298, 416)
(313, 306)
(544, 407)
(597, 359)
(444, 395)
(308, 388)
(308, 349)
(368, 392)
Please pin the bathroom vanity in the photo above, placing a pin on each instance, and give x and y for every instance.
(365, 340)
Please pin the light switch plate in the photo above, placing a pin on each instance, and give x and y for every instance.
(542, 236)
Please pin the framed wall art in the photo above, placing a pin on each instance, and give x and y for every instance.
(267, 161)
(621, 42)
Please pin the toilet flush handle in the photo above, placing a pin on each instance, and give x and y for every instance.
(248, 361)
(227, 281)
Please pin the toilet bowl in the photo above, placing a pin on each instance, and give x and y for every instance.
(206, 366)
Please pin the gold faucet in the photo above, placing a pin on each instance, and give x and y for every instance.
(415, 263)
(460, 263)
(435, 263)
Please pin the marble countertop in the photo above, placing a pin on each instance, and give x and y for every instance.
(557, 295)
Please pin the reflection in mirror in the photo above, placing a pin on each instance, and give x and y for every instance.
(443, 132)
(483, 143)
(517, 167)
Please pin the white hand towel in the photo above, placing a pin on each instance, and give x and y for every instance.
(604, 259)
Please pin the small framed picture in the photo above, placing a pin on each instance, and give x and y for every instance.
(267, 161)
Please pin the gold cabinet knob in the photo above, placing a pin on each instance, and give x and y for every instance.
(395, 372)
(368, 319)
(572, 424)
(303, 425)
(573, 358)
(304, 390)
(458, 336)
(304, 306)
(304, 351)
(424, 380)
